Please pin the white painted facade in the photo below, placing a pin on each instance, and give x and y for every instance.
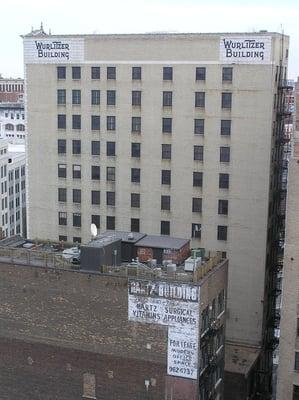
(12, 122)
(243, 212)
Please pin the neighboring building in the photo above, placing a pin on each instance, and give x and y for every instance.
(288, 366)
(13, 189)
(110, 335)
(12, 122)
(11, 90)
(173, 134)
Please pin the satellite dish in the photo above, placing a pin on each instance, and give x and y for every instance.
(93, 230)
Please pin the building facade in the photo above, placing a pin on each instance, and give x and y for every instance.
(111, 335)
(11, 90)
(12, 122)
(13, 189)
(175, 134)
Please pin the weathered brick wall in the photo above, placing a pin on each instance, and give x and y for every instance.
(41, 372)
(82, 311)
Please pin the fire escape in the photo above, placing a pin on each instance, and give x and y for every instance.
(276, 232)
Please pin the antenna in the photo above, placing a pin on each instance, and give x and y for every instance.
(93, 230)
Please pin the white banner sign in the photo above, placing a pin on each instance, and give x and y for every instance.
(182, 353)
(150, 310)
(245, 50)
(53, 50)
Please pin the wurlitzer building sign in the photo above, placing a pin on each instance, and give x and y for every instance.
(245, 50)
(177, 307)
(50, 51)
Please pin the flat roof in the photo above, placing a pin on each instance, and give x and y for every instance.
(162, 242)
(125, 235)
(240, 359)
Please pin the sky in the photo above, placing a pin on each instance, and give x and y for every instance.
(139, 16)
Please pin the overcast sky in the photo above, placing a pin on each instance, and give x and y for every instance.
(138, 16)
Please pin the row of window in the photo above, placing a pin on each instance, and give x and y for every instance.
(12, 116)
(95, 123)
(95, 99)
(10, 127)
(167, 73)
(135, 225)
(198, 151)
(135, 175)
(135, 200)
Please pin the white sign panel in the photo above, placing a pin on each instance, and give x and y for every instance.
(182, 353)
(245, 50)
(163, 312)
(53, 51)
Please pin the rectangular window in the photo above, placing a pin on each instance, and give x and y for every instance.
(111, 124)
(110, 223)
(135, 175)
(295, 392)
(136, 98)
(165, 228)
(76, 195)
(167, 73)
(61, 170)
(196, 204)
(226, 100)
(221, 232)
(76, 121)
(224, 154)
(61, 146)
(223, 181)
(296, 361)
(61, 72)
(167, 99)
(62, 218)
(196, 231)
(221, 302)
(166, 177)
(77, 220)
(111, 72)
(76, 96)
(198, 153)
(76, 72)
(110, 149)
(166, 151)
(227, 74)
(96, 219)
(95, 197)
(95, 172)
(61, 121)
(76, 239)
(76, 146)
(110, 174)
(136, 73)
(135, 150)
(95, 147)
(200, 99)
(223, 207)
(135, 200)
(61, 96)
(225, 127)
(200, 73)
(111, 97)
(76, 171)
(95, 72)
(199, 126)
(166, 125)
(135, 224)
(62, 238)
(110, 198)
(197, 179)
(165, 203)
(136, 124)
(95, 122)
(62, 194)
(95, 97)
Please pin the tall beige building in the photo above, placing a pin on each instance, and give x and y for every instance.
(174, 134)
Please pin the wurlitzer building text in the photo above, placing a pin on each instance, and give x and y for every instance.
(172, 134)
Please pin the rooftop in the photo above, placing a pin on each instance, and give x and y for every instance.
(162, 242)
(240, 359)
